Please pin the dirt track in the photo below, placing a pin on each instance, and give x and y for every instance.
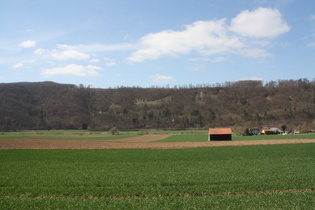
(141, 142)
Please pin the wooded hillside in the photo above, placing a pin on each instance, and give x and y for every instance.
(48, 105)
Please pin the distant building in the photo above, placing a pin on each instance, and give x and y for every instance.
(253, 131)
(220, 134)
(270, 131)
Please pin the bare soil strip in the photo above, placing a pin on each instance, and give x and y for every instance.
(78, 137)
(140, 142)
(144, 138)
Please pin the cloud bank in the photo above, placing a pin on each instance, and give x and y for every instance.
(215, 37)
(161, 79)
(62, 54)
(73, 69)
(248, 34)
(28, 43)
(260, 23)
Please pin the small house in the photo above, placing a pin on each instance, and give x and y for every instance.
(220, 134)
(270, 131)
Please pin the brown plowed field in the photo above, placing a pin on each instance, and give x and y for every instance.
(140, 142)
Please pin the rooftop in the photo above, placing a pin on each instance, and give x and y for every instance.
(220, 131)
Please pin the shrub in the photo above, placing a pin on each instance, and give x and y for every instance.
(114, 131)
(143, 132)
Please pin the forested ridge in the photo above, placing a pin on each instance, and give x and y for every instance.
(49, 105)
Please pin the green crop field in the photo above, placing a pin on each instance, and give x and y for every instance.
(199, 137)
(245, 177)
(67, 135)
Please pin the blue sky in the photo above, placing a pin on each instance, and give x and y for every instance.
(110, 43)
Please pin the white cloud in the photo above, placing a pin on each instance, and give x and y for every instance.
(249, 34)
(69, 54)
(210, 60)
(98, 47)
(251, 78)
(40, 51)
(94, 60)
(218, 59)
(161, 79)
(29, 61)
(110, 64)
(73, 69)
(28, 43)
(18, 65)
(22, 63)
(255, 53)
(62, 55)
(197, 67)
(260, 23)
(204, 37)
(311, 44)
(262, 1)
(284, 44)
(110, 61)
(198, 63)
(207, 38)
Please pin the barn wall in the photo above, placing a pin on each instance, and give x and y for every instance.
(225, 137)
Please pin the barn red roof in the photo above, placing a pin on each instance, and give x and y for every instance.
(220, 131)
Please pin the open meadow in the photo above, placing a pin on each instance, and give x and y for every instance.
(279, 176)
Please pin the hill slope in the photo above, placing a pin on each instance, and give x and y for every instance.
(48, 105)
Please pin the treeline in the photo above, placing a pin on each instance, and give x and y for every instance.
(49, 105)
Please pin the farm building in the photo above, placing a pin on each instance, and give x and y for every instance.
(220, 134)
(269, 131)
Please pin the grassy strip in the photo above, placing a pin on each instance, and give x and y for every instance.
(23, 134)
(159, 178)
(287, 200)
(186, 138)
(159, 196)
(204, 137)
(69, 135)
(273, 137)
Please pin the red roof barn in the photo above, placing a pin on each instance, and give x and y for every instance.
(220, 134)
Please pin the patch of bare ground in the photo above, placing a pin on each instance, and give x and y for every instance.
(78, 137)
(139, 142)
(144, 138)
